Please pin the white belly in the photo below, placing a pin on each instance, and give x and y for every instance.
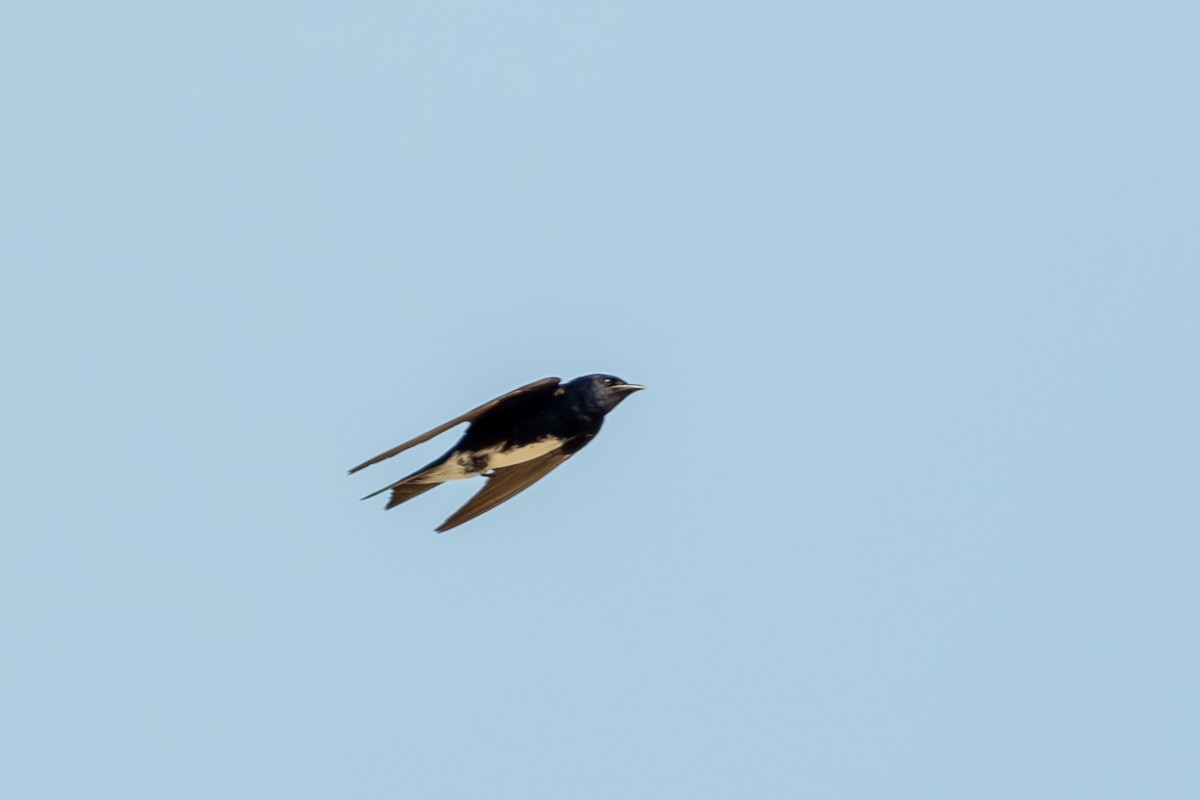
(468, 465)
(519, 455)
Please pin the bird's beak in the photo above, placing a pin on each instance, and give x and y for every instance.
(628, 388)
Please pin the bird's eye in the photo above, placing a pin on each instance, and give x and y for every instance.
(608, 381)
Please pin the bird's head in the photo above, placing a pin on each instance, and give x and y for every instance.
(602, 392)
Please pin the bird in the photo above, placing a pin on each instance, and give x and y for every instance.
(513, 441)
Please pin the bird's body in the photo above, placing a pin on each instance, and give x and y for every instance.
(513, 440)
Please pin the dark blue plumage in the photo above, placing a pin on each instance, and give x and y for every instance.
(572, 412)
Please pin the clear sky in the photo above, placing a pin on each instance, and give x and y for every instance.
(909, 509)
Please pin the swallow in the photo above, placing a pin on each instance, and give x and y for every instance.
(513, 441)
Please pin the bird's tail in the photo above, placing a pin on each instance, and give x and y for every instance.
(404, 489)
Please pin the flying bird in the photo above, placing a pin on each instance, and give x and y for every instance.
(513, 441)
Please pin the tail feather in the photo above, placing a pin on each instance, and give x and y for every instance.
(407, 491)
(402, 490)
(411, 485)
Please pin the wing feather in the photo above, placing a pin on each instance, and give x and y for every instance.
(504, 484)
(525, 392)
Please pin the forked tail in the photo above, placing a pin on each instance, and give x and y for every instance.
(404, 489)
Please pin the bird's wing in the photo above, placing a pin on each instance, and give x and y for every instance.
(503, 401)
(502, 484)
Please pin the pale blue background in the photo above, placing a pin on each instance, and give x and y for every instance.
(909, 511)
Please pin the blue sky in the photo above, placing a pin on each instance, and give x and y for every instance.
(908, 511)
